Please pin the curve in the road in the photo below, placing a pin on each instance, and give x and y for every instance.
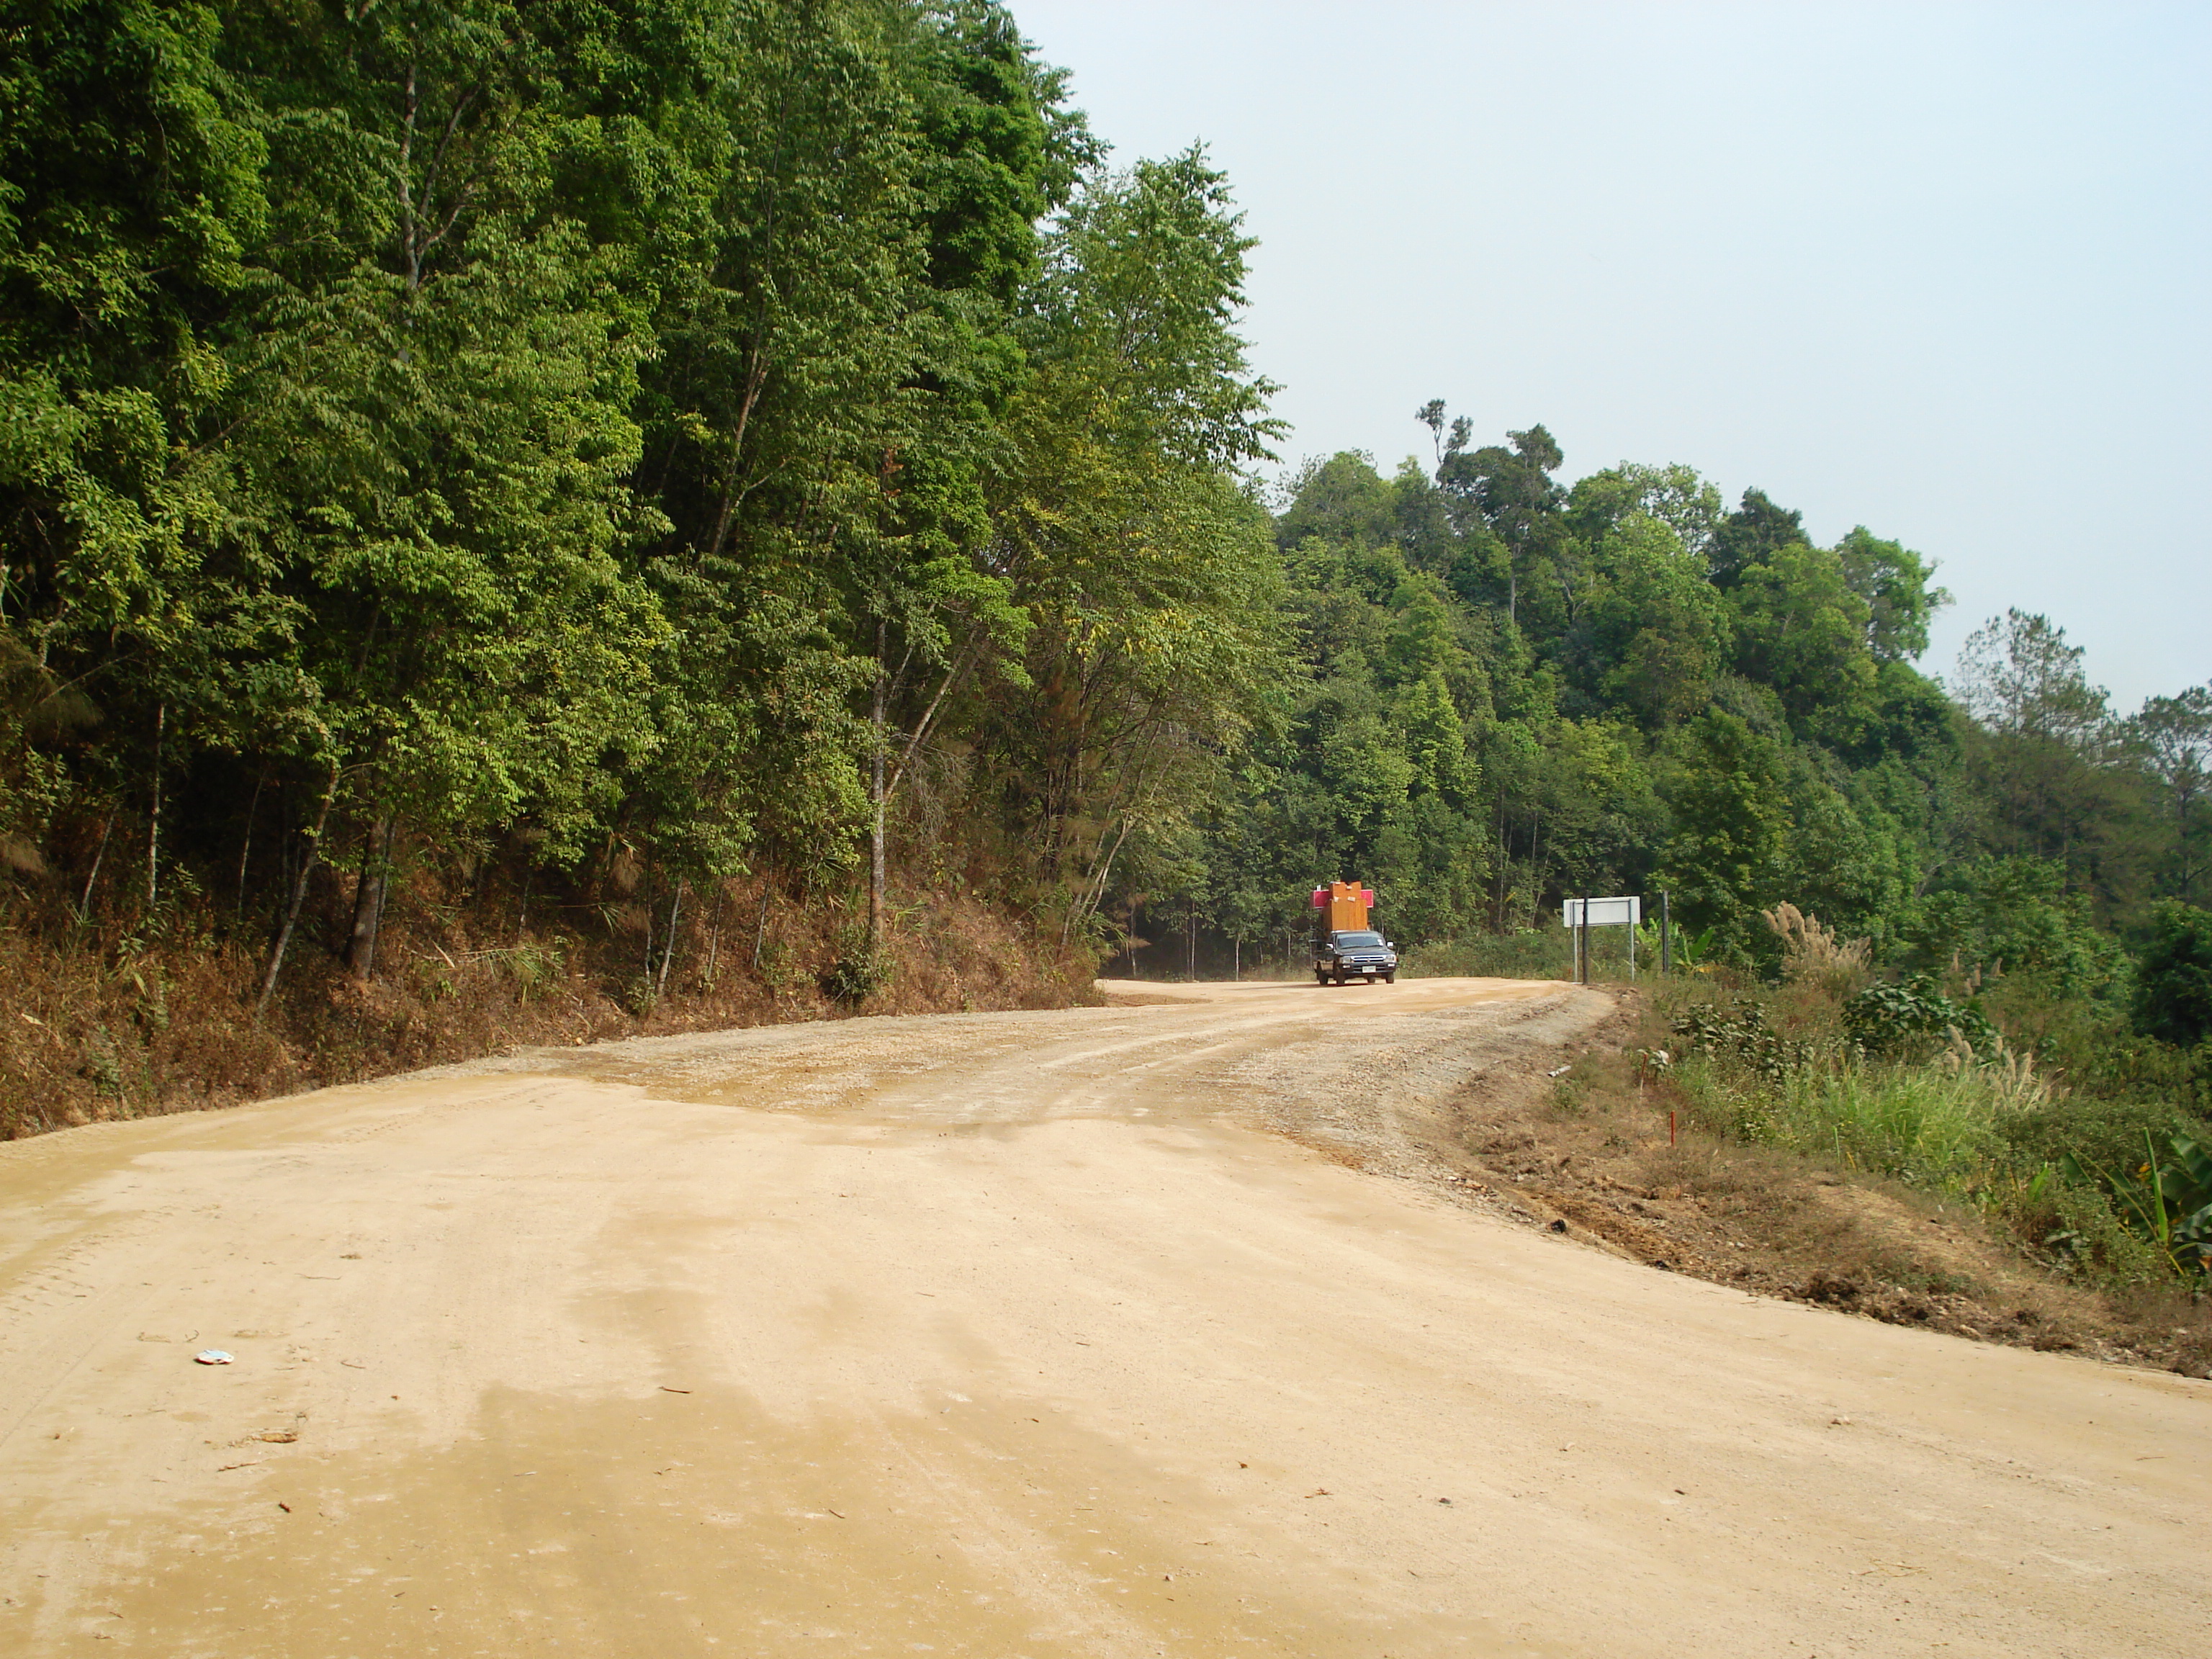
(1043, 1333)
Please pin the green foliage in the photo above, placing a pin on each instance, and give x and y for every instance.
(2010, 915)
(131, 188)
(2173, 1196)
(1801, 629)
(1897, 1017)
(1920, 1127)
(2046, 755)
(1513, 692)
(2097, 1134)
(2072, 1223)
(1933, 1129)
(2173, 976)
(2113, 1190)
(858, 971)
(1893, 581)
(600, 433)
(1740, 1035)
(2162, 1193)
(1534, 953)
(2172, 738)
(622, 447)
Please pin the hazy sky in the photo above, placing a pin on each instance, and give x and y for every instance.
(1943, 270)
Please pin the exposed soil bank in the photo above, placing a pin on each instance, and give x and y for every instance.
(1589, 1147)
(120, 1027)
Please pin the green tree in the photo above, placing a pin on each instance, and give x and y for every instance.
(2175, 736)
(2008, 916)
(437, 417)
(1728, 856)
(2173, 1000)
(1801, 629)
(1147, 572)
(1652, 638)
(2044, 752)
(1892, 581)
(132, 193)
(1753, 534)
(1508, 490)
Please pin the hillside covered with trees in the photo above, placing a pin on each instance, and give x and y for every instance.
(560, 474)
(1507, 690)
(718, 509)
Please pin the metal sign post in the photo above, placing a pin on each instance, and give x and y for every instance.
(1584, 914)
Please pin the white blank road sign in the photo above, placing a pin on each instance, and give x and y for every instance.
(1604, 912)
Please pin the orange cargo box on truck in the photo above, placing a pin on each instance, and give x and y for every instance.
(1347, 903)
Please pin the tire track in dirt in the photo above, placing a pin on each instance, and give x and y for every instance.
(1038, 1334)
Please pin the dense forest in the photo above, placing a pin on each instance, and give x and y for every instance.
(683, 496)
(1506, 689)
(552, 463)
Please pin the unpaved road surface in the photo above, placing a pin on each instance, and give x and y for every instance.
(1036, 1334)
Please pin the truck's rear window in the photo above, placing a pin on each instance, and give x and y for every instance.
(1358, 938)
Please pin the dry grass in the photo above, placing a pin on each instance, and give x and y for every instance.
(1813, 955)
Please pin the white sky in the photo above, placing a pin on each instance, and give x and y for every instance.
(1941, 269)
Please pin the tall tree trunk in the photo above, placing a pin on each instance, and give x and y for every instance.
(368, 897)
(105, 829)
(245, 847)
(299, 895)
(1504, 862)
(928, 719)
(668, 954)
(1536, 869)
(1094, 891)
(154, 817)
(876, 805)
(714, 934)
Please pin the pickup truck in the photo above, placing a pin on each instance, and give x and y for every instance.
(1347, 954)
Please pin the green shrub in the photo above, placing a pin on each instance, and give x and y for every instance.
(103, 1064)
(2073, 1225)
(1913, 1016)
(2165, 1199)
(2173, 977)
(861, 968)
(1532, 953)
(856, 977)
(1740, 1034)
(2099, 1134)
(1917, 1087)
(2094, 1045)
(2012, 914)
(1722, 1102)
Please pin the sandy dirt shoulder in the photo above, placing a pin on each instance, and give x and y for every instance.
(1037, 1333)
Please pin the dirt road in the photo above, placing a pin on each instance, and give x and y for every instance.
(1040, 1334)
